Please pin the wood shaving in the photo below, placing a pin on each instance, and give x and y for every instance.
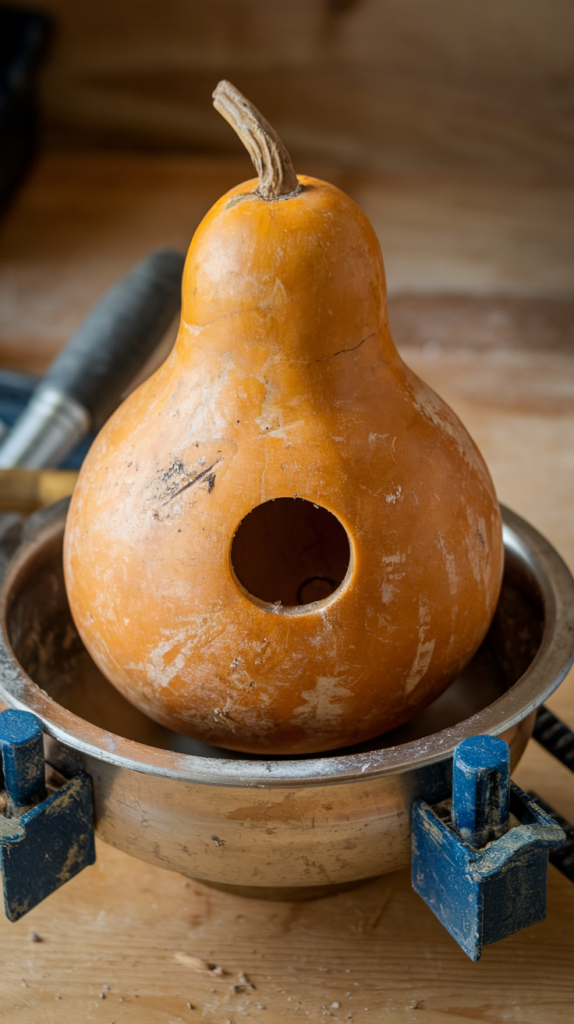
(197, 964)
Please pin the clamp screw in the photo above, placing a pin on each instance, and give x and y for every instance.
(481, 876)
(481, 789)
(45, 839)
(22, 753)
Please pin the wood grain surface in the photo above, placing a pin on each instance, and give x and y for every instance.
(482, 308)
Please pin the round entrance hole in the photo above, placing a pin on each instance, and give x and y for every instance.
(290, 551)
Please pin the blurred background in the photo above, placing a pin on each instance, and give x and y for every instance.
(451, 124)
(390, 85)
(474, 101)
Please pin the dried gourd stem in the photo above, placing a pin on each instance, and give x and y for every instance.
(277, 179)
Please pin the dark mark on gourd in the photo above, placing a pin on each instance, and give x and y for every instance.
(176, 478)
(195, 480)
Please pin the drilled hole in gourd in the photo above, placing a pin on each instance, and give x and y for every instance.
(290, 551)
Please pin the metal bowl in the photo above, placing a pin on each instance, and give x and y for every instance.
(285, 827)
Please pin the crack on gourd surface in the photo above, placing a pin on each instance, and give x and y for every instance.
(197, 328)
(343, 350)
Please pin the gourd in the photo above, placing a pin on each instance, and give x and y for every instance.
(283, 541)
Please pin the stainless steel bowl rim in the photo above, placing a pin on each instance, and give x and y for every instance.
(549, 667)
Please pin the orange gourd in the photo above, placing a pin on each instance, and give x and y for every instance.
(283, 541)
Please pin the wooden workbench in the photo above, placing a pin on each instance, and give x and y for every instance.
(479, 277)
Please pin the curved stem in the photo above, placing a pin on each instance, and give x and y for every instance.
(277, 179)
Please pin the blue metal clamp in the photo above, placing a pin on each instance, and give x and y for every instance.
(44, 839)
(480, 860)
